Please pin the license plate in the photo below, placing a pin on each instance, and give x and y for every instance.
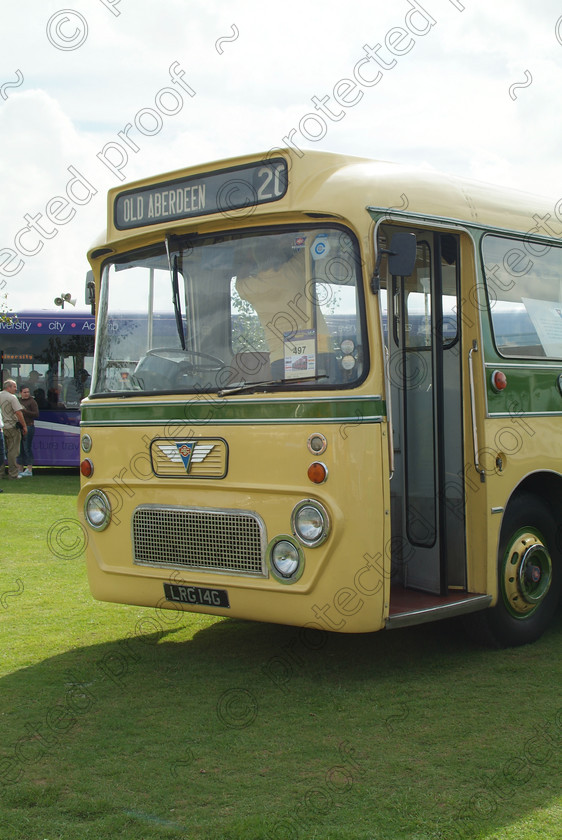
(199, 595)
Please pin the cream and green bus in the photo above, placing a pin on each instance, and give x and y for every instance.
(327, 392)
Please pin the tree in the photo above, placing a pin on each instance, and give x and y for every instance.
(5, 317)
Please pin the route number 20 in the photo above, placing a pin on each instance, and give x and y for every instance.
(273, 184)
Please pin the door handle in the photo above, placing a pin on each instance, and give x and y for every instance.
(479, 470)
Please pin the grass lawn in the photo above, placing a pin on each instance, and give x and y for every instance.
(129, 723)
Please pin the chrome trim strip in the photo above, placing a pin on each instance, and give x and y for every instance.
(451, 221)
(548, 364)
(524, 414)
(306, 398)
(246, 422)
(421, 219)
(388, 410)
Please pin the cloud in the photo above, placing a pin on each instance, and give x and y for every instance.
(38, 145)
(445, 104)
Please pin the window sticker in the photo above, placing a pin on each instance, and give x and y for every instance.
(300, 353)
(546, 316)
(320, 246)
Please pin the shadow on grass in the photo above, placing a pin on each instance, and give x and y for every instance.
(62, 481)
(196, 732)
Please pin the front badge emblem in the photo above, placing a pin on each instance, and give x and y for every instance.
(186, 452)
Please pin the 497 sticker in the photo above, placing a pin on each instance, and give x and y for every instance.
(196, 595)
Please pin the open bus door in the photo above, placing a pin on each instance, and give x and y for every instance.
(425, 385)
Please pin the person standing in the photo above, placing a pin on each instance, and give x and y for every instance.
(12, 415)
(30, 414)
(2, 450)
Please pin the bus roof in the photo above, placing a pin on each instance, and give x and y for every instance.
(345, 186)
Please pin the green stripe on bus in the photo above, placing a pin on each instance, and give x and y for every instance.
(209, 409)
(530, 389)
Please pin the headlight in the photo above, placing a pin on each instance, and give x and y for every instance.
(310, 523)
(286, 559)
(97, 510)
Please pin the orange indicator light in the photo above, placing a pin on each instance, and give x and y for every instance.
(86, 468)
(318, 472)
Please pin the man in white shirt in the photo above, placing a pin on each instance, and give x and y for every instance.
(12, 416)
(2, 450)
(276, 290)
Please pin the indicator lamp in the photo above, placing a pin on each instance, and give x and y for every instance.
(317, 472)
(86, 468)
(498, 381)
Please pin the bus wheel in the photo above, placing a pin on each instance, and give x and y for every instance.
(529, 576)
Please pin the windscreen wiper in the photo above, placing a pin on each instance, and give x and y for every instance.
(239, 387)
(176, 294)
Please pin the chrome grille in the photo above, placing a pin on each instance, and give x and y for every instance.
(227, 541)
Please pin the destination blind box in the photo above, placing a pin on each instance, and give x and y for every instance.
(222, 191)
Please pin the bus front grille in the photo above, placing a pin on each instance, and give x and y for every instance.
(222, 541)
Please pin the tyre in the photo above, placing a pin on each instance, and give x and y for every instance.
(529, 576)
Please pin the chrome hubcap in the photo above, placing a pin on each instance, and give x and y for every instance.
(527, 573)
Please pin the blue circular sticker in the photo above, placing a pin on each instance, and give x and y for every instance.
(320, 246)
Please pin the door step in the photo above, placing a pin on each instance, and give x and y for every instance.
(409, 607)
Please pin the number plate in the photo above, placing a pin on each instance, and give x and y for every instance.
(199, 595)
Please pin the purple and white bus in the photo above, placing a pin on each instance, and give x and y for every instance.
(51, 353)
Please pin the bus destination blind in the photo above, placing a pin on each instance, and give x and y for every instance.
(224, 191)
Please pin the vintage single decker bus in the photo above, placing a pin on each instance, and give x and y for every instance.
(355, 419)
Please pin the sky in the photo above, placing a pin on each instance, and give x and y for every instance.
(98, 93)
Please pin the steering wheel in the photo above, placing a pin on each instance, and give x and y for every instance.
(215, 363)
(212, 365)
(169, 367)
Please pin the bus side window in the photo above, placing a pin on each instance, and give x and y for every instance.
(525, 294)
